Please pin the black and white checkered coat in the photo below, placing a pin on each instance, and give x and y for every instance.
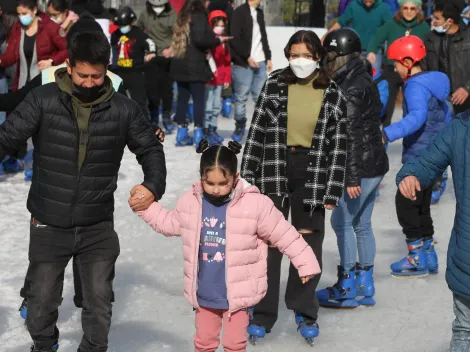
(264, 158)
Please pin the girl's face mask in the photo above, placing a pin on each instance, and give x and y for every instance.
(219, 30)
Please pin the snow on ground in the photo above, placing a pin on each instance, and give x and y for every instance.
(151, 314)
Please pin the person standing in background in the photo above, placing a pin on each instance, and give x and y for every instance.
(251, 57)
(58, 11)
(158, 20)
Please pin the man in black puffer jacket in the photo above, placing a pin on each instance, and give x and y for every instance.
(367, 163)
(80, 127)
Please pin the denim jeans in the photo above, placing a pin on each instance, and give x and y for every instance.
(351, 221)
(461, 326)
(3, 90)
(213, 98)
(247, 80)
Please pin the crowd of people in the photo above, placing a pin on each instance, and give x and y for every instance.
(87, 82)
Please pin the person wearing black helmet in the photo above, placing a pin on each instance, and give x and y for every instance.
(132, 48)
(367, 163)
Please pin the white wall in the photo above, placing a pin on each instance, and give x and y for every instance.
(278, 38)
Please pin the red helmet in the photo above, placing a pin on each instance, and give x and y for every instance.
(410, 47)
(215, 14)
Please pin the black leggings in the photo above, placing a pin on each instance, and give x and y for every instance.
(159, 90)
(185, 91)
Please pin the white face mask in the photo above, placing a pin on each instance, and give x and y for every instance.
(58, 20)
(159, 9)
(440, 29)
(303, 68)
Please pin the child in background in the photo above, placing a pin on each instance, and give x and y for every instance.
(425, 114)
(220, 57)
(382, 85)
(225, 224)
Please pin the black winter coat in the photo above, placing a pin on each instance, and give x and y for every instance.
(367, 157)
(456, 66)
(194, 66)
(61, 194)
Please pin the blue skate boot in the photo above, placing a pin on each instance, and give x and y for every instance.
(239, 132)
(28, 175)
(24, 309)
(342, 294)
(1, 169)
(255, 332)
(12, 166)
(438, 190)
(38, 349)
(198, 135)
(365, 285)
(182, 137)
(415, 264)
(227, 107)
(431, 256)
(213, 137)
(308, 328)
(168, 125)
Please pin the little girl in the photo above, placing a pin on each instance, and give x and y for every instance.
(225, 223)
(220, 60)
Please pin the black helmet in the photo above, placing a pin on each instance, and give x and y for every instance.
(125, 16)
(343, 41)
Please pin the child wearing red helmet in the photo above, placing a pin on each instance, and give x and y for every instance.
(219, 60)
(425, 114)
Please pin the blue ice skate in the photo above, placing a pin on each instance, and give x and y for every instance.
(28, 175)
(182, 137)
(415, 264)
(12, 166)
(198, 136)
(365, 285)
(431, 256)
(213, 137)
(437, 191)
(342, 294)
(239, 132)
(168, 125)
(24, 309)
(255, 332)
(52, 349)
(227, 107)
(308, 328)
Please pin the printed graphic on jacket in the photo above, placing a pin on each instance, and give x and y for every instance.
(212, 289)
(130, 49)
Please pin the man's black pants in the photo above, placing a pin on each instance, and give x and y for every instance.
(95, 249)
(299, 297)
(159, 90)
(134, 83)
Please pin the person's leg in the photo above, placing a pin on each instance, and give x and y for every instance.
(152, 88)
(182, 103)
(427, 231)
(234, 333)
(461, 325)
(209, 98)
(342, 225)
(50, 249)
(259, 78)
(136, 88)
(3, 90)
(394, 84)
(208, 325)
(166, 93)
(96, 255)
(197, 92)
(266, 311)
(77, 284)
(217, 105)
(242, 78)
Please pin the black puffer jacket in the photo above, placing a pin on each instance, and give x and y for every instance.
(194, 66)
(366, 153)
(61, 194)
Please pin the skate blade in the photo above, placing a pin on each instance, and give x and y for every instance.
(253, 339)
(409, 276)
(310, 341)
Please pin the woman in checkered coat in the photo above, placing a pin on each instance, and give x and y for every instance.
(296, 154)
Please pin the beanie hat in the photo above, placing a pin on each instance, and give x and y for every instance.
(418, 3)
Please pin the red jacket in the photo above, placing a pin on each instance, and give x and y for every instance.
(49, 45)
(221, 55)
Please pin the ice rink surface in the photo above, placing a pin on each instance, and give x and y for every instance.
(151, 314)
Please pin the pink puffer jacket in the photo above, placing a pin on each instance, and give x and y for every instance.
(252, 220)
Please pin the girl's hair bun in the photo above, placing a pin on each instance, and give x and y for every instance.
(234, 147)
(202, 147)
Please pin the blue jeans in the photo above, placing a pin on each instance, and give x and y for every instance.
(247, 80)
(461, 325)
(213, 97)
(351, 221)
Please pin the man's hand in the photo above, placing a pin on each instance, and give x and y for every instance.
(329, 206)
(372, 58)
(160, 134)
(354, 192)
(307, 278)
(149, 57)
(140, 198)
(459, 96)
(166, 53)
(42, 65)
(252, 63)
(226, 85)
(269, 66)
(409, 186)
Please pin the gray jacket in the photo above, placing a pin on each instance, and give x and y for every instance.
(159, 28)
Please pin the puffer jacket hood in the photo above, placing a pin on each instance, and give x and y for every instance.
(252, 220)
(437, 82)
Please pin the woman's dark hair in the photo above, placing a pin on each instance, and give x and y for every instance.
(217, 19)
(399, 16)
(112, 13)
(91, 47)
(59, 5)
(190, 7)
(149, 8)
(30, 4)
(448, 10)
(314, 46)
(219, 157)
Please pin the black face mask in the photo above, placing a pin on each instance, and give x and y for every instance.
(87, 95)
(217, 201)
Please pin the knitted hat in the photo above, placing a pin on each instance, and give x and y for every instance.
(418, 3)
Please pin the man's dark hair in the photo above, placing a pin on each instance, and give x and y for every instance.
(59, 5)
(30, 4)
(91, 47)
(449, 10)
